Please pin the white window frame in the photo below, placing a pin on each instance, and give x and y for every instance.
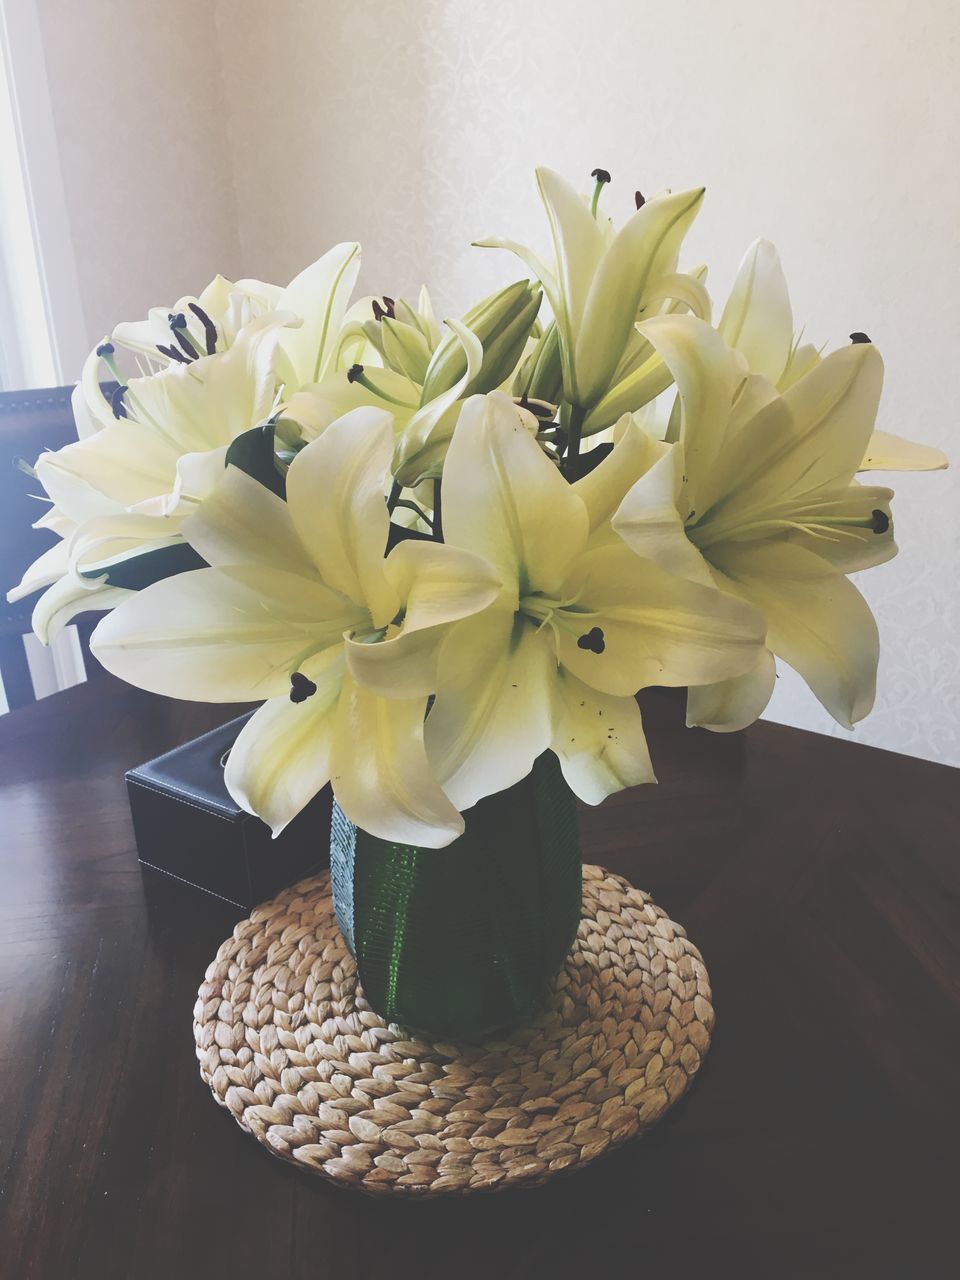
(44, 295)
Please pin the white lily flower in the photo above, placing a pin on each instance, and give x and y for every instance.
(599, 281)
(762, 486)
(300, 607)
(580, 625)
(757, 321)
(126, 488)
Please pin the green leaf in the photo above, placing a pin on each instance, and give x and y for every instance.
(254, 452)
(136, 572)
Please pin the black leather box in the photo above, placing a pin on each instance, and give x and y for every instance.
(188, 826)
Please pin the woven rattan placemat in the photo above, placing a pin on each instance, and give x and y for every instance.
(288, 1044)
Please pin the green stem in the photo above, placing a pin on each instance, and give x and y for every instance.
(395, 491)
(437, 512)
(412, 506)
(574, 428)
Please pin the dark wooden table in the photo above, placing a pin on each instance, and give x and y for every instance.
(818, 877)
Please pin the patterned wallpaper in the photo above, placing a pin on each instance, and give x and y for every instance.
(268, 132)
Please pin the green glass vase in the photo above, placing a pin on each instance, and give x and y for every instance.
(463, 941)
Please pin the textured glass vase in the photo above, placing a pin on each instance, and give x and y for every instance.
(462, 941)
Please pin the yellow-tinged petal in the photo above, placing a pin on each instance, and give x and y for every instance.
(817, 621)
(578, 247)
(707, 374)
(504, 500)
(242, 522)
(655, 629)
(650, 519)
(380, 773)
(69, 596)
(319, 295)
(886, 452)
(599, 740)
(437, 585)
(644, 250)
(282, 757)
(758, 319)
(493, 712)
(633, 454)
(47, 568)
(115, 467)
(219, 636)
(424, 440)
(335, 494)
(810, 439)
(733, 704)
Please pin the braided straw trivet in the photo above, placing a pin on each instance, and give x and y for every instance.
(288, 1044)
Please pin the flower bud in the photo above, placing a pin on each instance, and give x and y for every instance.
(502, 324)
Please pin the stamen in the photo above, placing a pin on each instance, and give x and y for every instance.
(881, 521)
(209, 328)
(301, 687)
(639, 199)
(378, 311)
(355, 373)
(391, 306)
(172, 353)
(105, 349)
(858, 337)
(602, 178)
(178, 325)
(592, 640)
(116, 402)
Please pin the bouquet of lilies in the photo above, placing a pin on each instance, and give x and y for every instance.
(436, 551)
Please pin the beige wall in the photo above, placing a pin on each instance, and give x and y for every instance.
(254, 142)
(138, 103)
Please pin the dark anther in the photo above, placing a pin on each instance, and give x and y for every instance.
(601, 175)
(639, 199)
(116, 402)
(209, 328)
(105, 349)
(301, 687)
(390, 305)
(354, 372)
(881, 521)
(378, 311)
(186, 345)
(178, 325)
(858, 337)
(172, 353)
(593, 640)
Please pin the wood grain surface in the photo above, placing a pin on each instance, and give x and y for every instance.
(819, 878)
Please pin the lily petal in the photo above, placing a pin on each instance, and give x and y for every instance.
(886, 452)
(242, 522)
(504, 500)
(758, 319)
(644, 250)
(599, 740)
(657, 629)
(492, 714)
(282, 757)
(733, 704)
(817, 621)
(335, 494)
(604, 488)
(650, 519)
(437, 584)
(319, 295)
(380, 773)
(69, 596)
(214, 636)
(707, 374)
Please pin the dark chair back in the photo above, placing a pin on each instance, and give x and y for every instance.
(30, 421)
